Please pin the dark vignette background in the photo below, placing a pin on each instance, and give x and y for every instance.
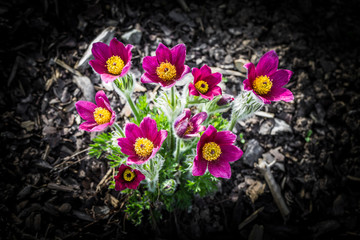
(317, 40)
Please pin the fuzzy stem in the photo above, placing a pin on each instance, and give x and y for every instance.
(232, 123)
(133, 108)
(177, 153)
(118, 128)
(173, 97)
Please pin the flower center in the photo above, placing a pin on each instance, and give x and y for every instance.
(211, 151)
(262, 85)
(143, 147)
(115, 65)
(202, 86)
(102, 115)
(189, 129)
(166, 71)
(128, 175)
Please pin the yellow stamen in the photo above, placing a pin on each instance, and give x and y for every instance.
(211, 151)
(128, 175)
(102, 115)
(115, 65)
(143, 147)
(189, 129)
(166, 71)
(202, 86)
(262, 85)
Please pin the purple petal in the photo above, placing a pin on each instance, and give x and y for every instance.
(178, 54)
(247, 85)
(163, 54)
(127, 147)
(149, 128)
(132, 132)
(139, 175)
(198, 118)
(192, 90)
(268, 64)
(119, 186)
(280, 77)
(87, 126)
(220, 169)
(278, 94)
(251, 72)
(102, 100)
(205, 71)
(181, 127)
(167, 84)
(86, 110)
(199, 167)
(101, 51)
(118, 49)
(191, 135)
(125, 70)
(160, 138)
(185, 71)
(99, 128)
(107, 78)
(230, 153)
(185, 114)
(225, 137)
(150, 64)
(98, 66)
(196, 73)
(212, 92)
(213, 79)
(148, 78)
(263, 98)
(134, 159)
(207, 136)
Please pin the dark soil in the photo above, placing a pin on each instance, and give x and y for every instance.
(49, 186)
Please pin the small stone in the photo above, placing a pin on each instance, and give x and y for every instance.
(86, 87)
(228, 59)
(133, 37)
(65, 208)
(280, 127)
(253, 152)
(266, 127)
(239, 65)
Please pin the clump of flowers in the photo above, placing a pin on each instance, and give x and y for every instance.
(181, 145)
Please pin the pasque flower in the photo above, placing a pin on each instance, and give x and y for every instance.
(166, 67)
(128, 178)
(111, 61)
(266, 81)
(205, 83)
(143, 142)
(214, 151)
(187, 127)
(97, 116)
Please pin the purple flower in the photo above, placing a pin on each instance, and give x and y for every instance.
(111, 61)
(225, 99)
(186, 127)
(266, 81)
(166, 67)
(215, 150)
(97, 117)
(141, 143)
(205, 83)
(128, 178)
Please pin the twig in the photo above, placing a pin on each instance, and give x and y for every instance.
(184, 5)
(67, 67)
(250, 218)
(274, 187)
(104, 179)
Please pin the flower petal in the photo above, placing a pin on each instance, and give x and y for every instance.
(127, 146)
(160, 138)
(196, 73)
(205, 71)
(118, 49)
(247, 85)
(163, 54)
(87, 126)
(132, 132)
(99, 128)
(199, 166)
(230, 153)
(213, 79)
(192, 90)
(125, 70)
(181, 127)
(102, 100)
(251, 71)
(150, 64)
(199, 118)
(268, 64)
(225, 137)
(185, 114)
(101, 51)
(278, 94)
(178, 54)
(98, 66)
(280, 77)
(149, 128)
(107, 78)
(86, 110)
(220, 168)
(185, 71)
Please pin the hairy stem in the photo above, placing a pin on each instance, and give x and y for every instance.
(177, 153)
(118, 128)
(133, 108)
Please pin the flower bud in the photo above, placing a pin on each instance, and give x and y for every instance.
(168, 187)
(225, 99)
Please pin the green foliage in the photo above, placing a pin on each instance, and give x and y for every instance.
(308, 135)
(137, 203)
(241, 136)
(218, 121)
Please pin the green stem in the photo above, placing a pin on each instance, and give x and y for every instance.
(133, 108)
(173, 97)
(118, 128)
(177, 153)
(232, 123)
